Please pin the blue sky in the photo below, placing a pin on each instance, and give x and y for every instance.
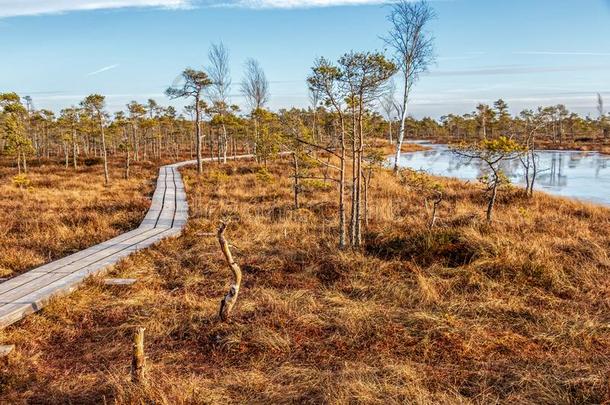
(529, 52)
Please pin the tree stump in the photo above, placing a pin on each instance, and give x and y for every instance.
(138, 361)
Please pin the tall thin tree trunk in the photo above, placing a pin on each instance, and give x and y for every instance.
(403, 124)
(127, 164)
(367, 182)
(74, 148)
(527, 173)
(255, 146)
(358, 238)
(354, 182)
(296, 180)
(492, 199)
(534, 172)
(225, 141)
(25, 163)
(314, 125)
(104, 152)
(134, 141)
(342, 222)
(218, 147)
(198, 136)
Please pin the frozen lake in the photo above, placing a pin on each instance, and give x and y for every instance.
(581, 175)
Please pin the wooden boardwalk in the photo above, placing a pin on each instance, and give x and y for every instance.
(167, 216)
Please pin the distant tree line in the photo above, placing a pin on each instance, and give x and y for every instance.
(554, 124)
(338, 134)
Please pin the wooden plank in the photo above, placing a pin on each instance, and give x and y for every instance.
(31, 291)
(181, 215)
(5, 350)
(120, 281)
(34, 301)
(150, 219)
(166, 219)
(109, 250)
(20, 280)
(89, 251)
(34, 285)
(12, 313)
(33, 281)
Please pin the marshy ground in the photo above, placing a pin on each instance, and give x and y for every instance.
(57, 211)
(513, 312)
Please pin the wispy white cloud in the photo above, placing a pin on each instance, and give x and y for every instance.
(13, 8)
(104, 69)
(289, 4)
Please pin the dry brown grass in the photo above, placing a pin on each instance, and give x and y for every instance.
(62, 211)
(516, 312)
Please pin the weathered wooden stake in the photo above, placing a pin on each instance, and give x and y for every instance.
(227, 303)
(437, 201)
(138, 361)
(5, 351)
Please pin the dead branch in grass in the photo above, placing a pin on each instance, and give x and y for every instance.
(227, 303)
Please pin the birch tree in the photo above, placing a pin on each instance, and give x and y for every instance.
(388, 105)
(413, 51)
(219, 90)
(255, 89)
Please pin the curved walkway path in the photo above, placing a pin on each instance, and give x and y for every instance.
(30, 291)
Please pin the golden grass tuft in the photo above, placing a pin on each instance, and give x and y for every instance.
(64, 211)
(467, 313)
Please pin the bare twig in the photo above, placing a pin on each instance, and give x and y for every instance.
(227, 303)
(436, 203)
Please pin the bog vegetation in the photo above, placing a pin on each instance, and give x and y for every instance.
(461, 312)
(353, 280)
